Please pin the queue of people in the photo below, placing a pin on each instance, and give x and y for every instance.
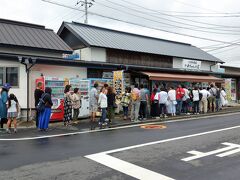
(183, 100)
(134, 103)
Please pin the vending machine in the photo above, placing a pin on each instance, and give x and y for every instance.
(83, 86)
(100, 82)
(57, 85)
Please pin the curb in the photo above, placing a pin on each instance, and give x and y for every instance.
(176, 118)
(155, 120)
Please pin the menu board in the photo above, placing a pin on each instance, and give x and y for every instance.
(118, 81)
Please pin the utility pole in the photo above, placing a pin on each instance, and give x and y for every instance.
(87, 5)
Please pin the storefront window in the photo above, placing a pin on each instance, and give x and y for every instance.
(1, 76)
(12, 76)
(9, 75)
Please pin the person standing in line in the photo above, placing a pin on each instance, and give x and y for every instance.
(204, 100)
(195, 93)
(37, 95)
(179, 96)
(212, 98)
(3, 103)
(76, 103)
(143, 103)
(135, 98)
(186, 100)
(67, 105)
(103, 104)
(148, 102)
(172, 101)
(223, 98)
(44, 116)
(154, 104)
(218, 91)
(125, 102)
(13, 109)
(93, 105)
(111, 100)
(163, 98)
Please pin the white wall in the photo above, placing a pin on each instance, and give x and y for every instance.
(99, 54)
(47, 70)
(205, 65)
(21, 91)
(93, 54)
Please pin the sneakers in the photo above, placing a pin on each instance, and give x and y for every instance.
(15, 130)
(8, 131)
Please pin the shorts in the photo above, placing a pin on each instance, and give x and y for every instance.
(12, 114)
(93, 108)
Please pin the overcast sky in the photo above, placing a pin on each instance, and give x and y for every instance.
(160, 14)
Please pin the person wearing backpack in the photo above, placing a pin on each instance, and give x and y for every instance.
(37, 95)
(45, 113)
(135, 97)
(204, 100)
(212, 98)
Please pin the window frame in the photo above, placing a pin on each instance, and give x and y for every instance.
(5, 74)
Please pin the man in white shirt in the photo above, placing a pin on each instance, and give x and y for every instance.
(163, 97)
(204, 100)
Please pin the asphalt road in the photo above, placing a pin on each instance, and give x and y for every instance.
(149, 153)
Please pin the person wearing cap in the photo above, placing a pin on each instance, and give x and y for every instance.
(3, 103)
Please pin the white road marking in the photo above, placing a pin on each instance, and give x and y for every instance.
(101, 157)
(229, 153)
(116, 128)
(198, 155)
(126, 167)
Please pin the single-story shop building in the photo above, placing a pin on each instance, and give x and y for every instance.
(150, 60)
(84, 51)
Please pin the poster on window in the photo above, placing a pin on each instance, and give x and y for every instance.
(233, 89)
(118, 81)
(228, 83)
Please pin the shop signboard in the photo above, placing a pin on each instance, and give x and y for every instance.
(74, 56)
(118, 81)
(191, 64)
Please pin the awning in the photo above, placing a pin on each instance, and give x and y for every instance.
(181, 77)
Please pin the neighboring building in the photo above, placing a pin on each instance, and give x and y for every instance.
(232, 82)
(18, 39)
(151, 56)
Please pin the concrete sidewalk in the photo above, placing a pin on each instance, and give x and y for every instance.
(118, 121)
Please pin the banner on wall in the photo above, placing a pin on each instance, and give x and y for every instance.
(118, 80)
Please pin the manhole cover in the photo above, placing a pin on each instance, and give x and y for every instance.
(153, 126)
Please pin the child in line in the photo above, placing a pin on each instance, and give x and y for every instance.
(13, 109)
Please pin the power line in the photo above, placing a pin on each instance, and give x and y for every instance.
(199, 22)
(176, 26)
(141, 25)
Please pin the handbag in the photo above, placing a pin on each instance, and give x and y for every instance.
(41, 104)
(115, 105)
(175, 102)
